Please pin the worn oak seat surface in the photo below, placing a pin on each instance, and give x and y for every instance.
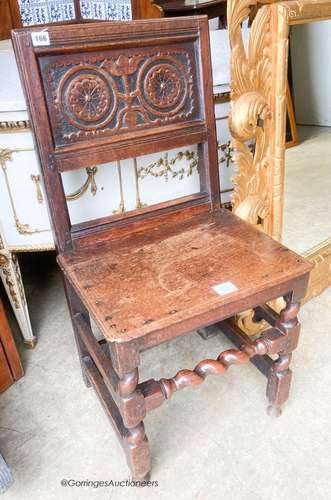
(150, 281)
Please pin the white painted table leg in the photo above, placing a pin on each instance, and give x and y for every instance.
(11, 277)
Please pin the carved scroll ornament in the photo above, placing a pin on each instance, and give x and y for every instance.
(250, 113)
(259, 82)
(251, 122)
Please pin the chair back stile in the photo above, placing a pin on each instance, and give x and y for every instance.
(111, 91)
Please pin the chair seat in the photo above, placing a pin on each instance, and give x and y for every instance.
(148, 282)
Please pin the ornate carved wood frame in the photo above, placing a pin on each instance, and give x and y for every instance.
(258, 114)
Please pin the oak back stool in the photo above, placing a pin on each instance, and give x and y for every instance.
(104, 92)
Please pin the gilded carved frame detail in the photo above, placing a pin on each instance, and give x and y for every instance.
(258, 114)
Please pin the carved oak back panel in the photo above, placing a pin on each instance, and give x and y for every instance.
(109, 91)
(115, 92)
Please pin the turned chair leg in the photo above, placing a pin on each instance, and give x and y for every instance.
(280, 374)
(133, 410)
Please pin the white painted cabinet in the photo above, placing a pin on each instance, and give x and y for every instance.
(95, 192)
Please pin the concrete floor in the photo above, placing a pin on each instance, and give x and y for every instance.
(215, 441)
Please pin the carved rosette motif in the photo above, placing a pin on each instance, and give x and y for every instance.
(250, 114)
(85, 97)
(88, 98)
(164, 88)
(112, 95)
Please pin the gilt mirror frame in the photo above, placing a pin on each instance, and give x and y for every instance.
(258, 114)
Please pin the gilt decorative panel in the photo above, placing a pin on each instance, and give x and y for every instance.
(117, 92)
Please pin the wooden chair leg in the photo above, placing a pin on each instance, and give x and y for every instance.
(280, 375)
(76, 306)
(132, 409)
